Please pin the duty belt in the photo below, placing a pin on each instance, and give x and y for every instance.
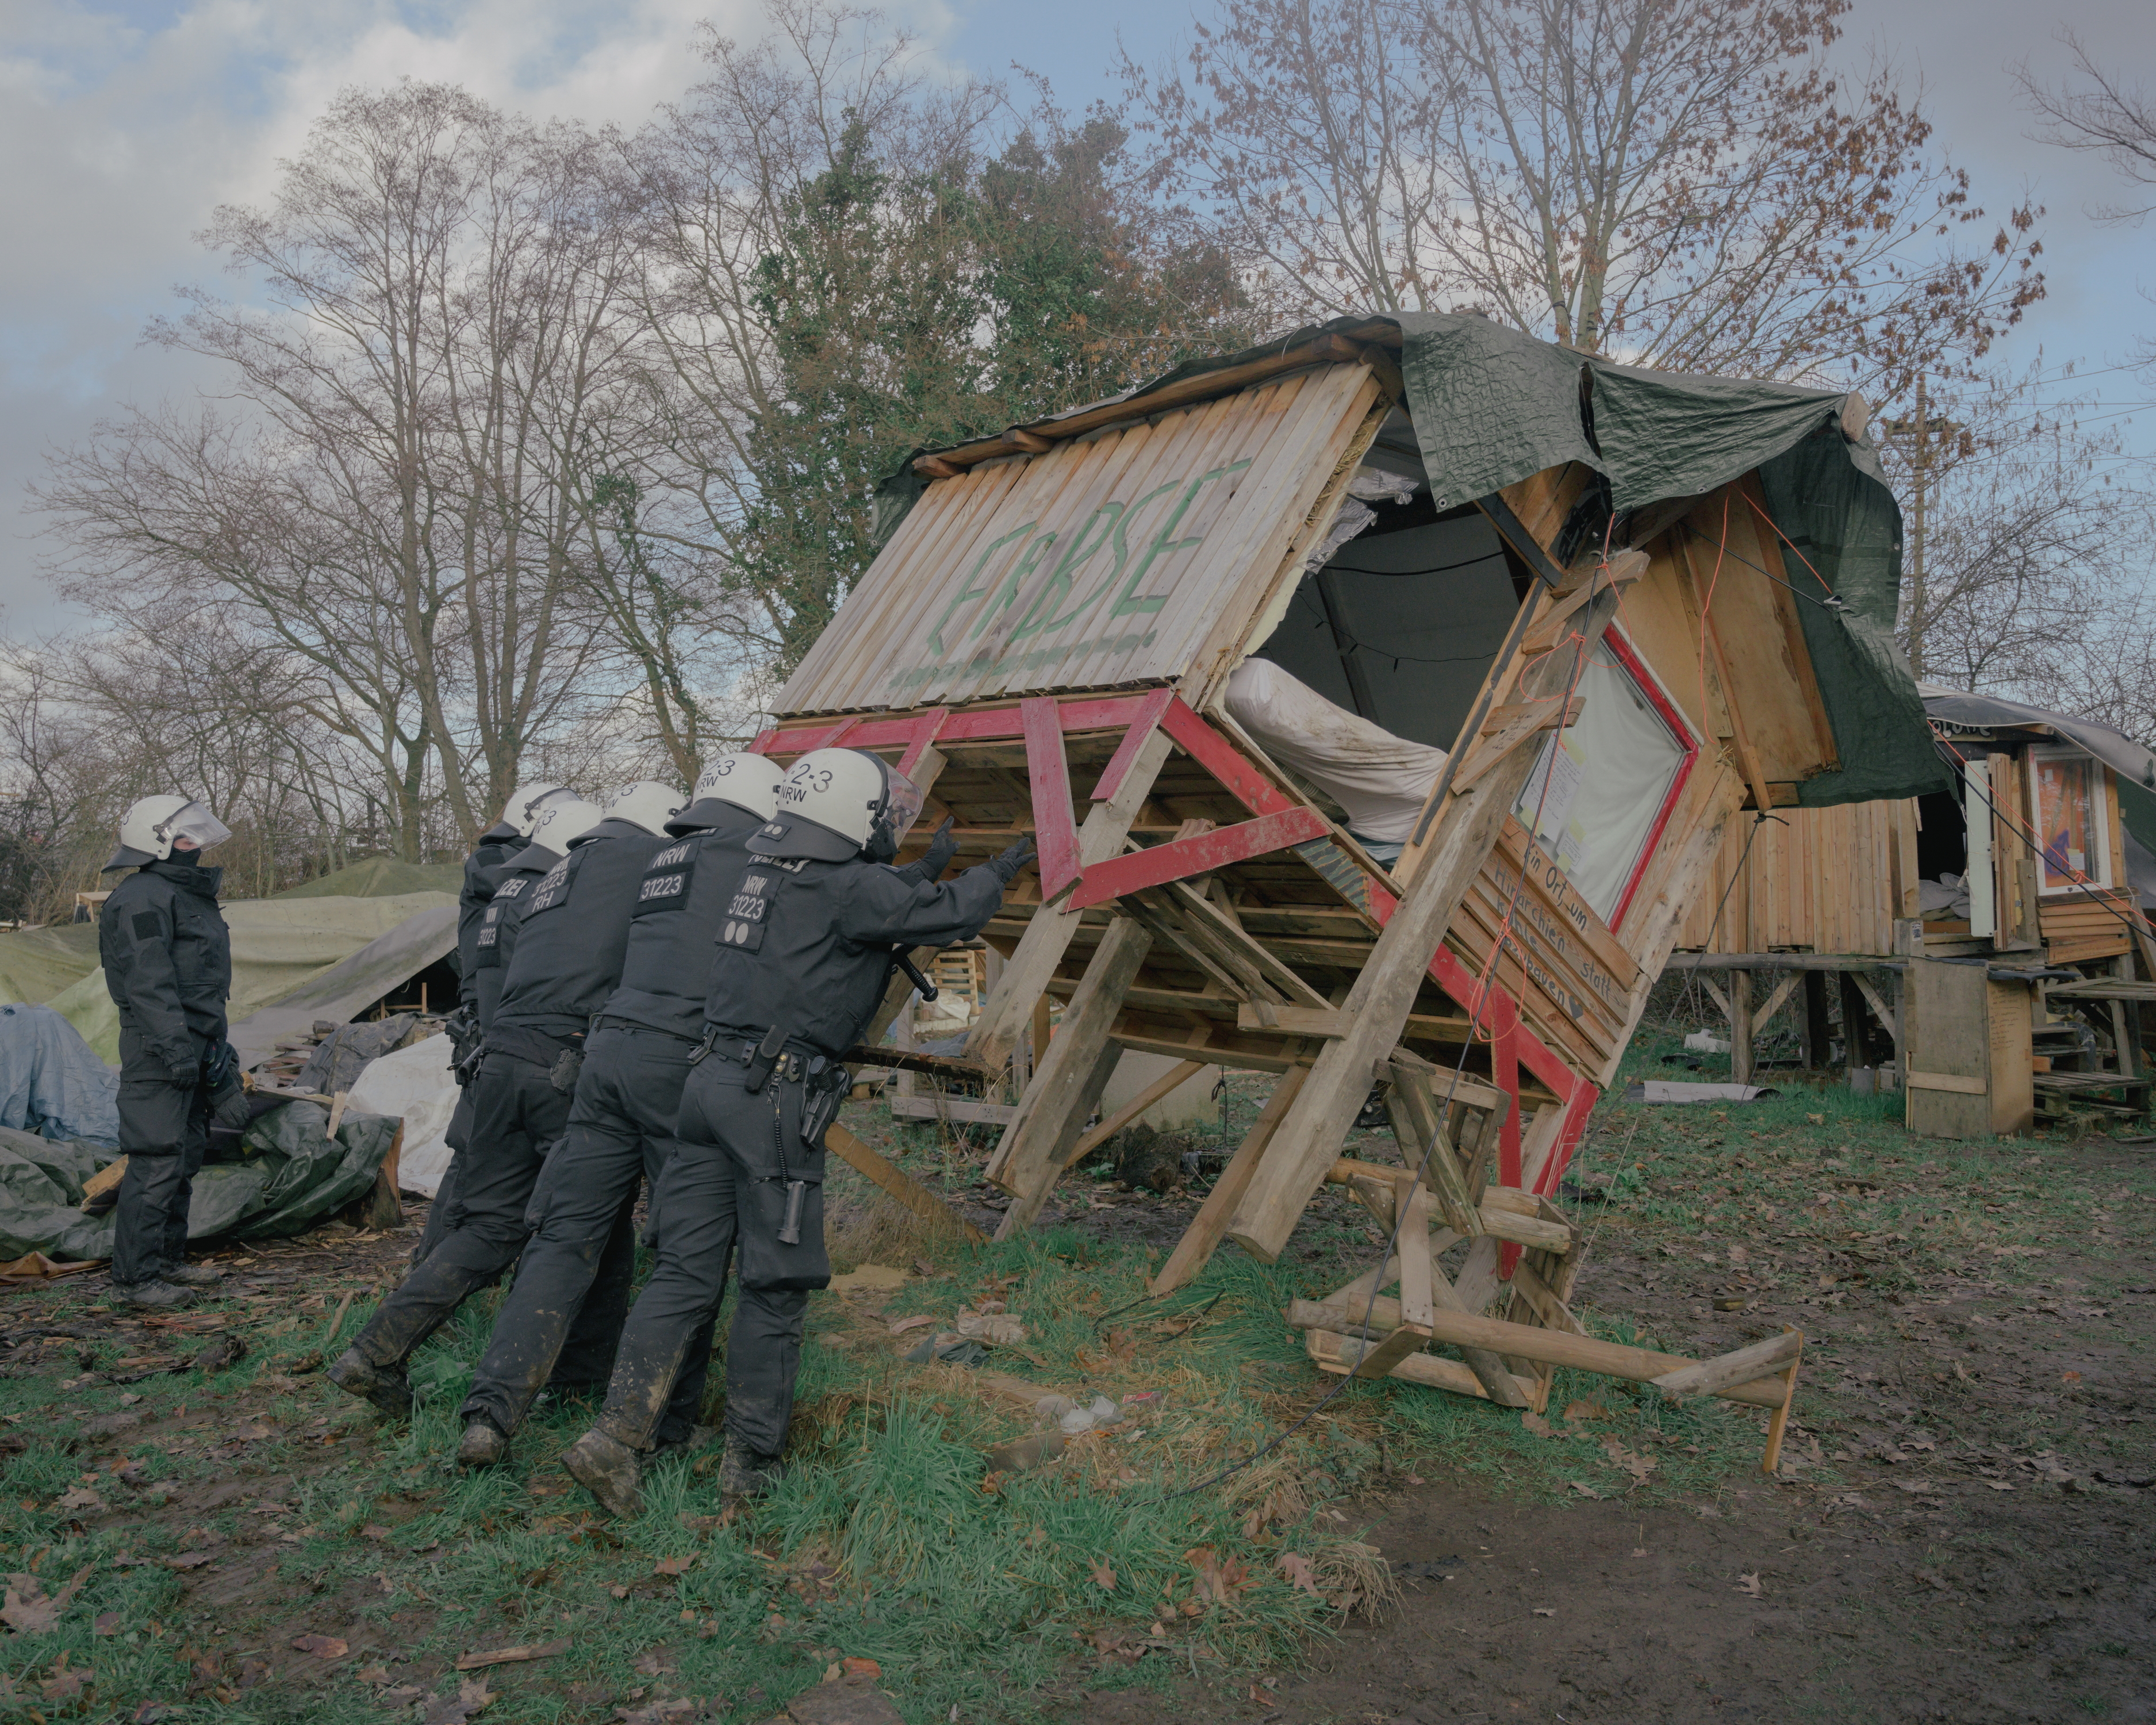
(520, 1042)
(606, 1023)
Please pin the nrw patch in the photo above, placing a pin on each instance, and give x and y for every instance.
(666, 881)
(748, 913)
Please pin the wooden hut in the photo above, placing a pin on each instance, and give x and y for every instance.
(2033, 855)
(1576, 615)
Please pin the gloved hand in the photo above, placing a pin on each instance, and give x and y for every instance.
(1008, 865)
(230, 1108)
(942, 848)
(187, 1073)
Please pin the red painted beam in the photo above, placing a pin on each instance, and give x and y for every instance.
(925, 730)
(1150, 708)
(1220, 758)
(987, 725)
(1185, 857)
(1054, 828)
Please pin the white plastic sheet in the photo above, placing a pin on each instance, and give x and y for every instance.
(415, 1085)
(1381, 780)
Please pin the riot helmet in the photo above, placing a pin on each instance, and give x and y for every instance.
(154, 827)
(646, 804)
(742, 781)
(526, 804)
(835, 804)
(562, 824)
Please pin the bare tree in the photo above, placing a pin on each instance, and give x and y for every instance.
(1682, 183)
(2100, 113)
(394, 499)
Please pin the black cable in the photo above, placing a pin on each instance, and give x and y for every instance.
(1339, 568)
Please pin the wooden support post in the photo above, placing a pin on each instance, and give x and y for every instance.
(1384, 990)
(1817, 1034)
(1855, 1039)
(1068, 1081)
(1412, 1109)
(1210, 1223)
(1771, 1460)
(899, 1184)
(1180, 1073)
(1048, 936)
(1740, 1026)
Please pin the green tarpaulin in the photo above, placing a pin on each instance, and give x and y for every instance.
(277, 947)
(380, 877)
(1492, 407)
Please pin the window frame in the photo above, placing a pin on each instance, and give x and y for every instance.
(2099, 879)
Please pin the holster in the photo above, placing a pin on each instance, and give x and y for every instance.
(780, 1195)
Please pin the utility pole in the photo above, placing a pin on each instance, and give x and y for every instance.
(1921, 427)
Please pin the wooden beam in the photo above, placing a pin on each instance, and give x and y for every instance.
(1049, 934)
(1384, 990)
(1169, 1081)
(1424, 1144)
(1339, 1354)
(1053, 1112)
(1211, 1222)
(899, 1184)
(1748, 758)
(1712, 1377)
(1182, 858)
(1762, 1015)
(1740, 1026)
(1047, 776)
(1499, 1220)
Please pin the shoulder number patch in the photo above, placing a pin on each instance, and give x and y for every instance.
(666, 879)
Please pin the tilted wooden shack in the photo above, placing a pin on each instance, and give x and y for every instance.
(1577, 615)
(2033, 855)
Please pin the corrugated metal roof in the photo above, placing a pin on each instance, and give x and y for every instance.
(1136, 555)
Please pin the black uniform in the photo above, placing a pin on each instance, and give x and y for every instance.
(564, 959)
(621, 1123)
(483, 871)
(805, 950)
(167, 963)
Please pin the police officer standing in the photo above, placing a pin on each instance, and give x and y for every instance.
(564, 962)
(168, 968)
(805, 949)
(478, 990)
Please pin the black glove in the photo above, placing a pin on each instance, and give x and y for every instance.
(942, 848)
(231, 1107)
(1008, 865)
(187, 1073)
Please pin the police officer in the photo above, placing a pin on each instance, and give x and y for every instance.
(804, 952)
(168, 968)
(621, 1122)
(467, 1025)
(562, 962)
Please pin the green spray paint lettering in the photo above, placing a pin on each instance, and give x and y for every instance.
(970, 591)
(1162, 546)
(1080, 552)
(1021, 572)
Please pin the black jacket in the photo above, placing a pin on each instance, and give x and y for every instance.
(572, 931)
(806, 946)
(666, 967)
(167, 959)
(482, 874)
(515, 879)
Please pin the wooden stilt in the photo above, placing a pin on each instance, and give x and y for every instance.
(1208, 1226)
(1049, 934)
(1052, 1112)
(899, 1184)
(1854, 1038)
(1740, 1026)
(1817, 1034)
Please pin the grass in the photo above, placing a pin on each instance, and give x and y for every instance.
(1142, 1554)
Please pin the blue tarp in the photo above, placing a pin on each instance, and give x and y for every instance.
(50, 1082)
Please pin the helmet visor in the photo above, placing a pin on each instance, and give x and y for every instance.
(903, 806)
(192, 828)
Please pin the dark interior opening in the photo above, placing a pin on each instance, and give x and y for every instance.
(1941, 836)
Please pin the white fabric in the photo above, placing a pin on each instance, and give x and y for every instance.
(1370, 485)
(416, 1085)
(1599, 786)
(1381, 780)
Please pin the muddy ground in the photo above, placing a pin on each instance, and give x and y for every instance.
(1962, 1529)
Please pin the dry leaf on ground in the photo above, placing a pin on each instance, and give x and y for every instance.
(1536, 1423)
(673, 1566)
(511, 1656)
(27, 1610)
(321, 1646)
(471, 1697)
(80, 1497)
(918, 1321)
(1294, 1570)
(1748, 1582)
(1104, 1577)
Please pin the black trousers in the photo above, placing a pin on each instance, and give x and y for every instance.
(164, 1128)
(620, 1132)
(517, 1118)
(695, 1210)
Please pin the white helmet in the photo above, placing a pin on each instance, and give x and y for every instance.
(526, 803)
(647, 804)
(561, 824)
(150, 830)
(836, 804)
(748, 782)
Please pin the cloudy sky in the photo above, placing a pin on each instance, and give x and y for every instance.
(124, 122)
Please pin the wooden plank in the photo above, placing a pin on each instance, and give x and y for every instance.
(1173, 1079)
(1033, 1151)
(1384, 990)
(1339, 1355)
(1135, 738)
(899, 1184)
(1585, 1353)
(1322, 1021)
(1705, 584)
(1048, 776)
(1518, 1222)
(1514, 724)
(1161, 863)
(1740, 1026)
(969, 1110)
(1049, 934)
(1947, 1082)
(1711, 1377)
(1210, 1223)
